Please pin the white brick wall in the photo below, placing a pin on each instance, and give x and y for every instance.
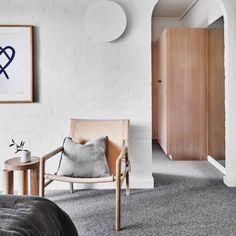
(78, 77)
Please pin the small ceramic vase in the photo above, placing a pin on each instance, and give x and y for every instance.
(25, 156)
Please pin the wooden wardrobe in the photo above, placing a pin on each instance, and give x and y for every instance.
(180, 93)
(216, 94)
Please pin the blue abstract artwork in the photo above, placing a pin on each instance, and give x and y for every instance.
(16, 63)
(7, 55)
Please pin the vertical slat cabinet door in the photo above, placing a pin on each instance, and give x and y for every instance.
(216, 94)
(162, 92)
(187, 94)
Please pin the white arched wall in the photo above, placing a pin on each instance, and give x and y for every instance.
(228, 8)
(77, 91)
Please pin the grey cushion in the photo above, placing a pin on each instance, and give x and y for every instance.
(84, 160)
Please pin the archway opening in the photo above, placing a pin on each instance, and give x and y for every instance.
(213, 140)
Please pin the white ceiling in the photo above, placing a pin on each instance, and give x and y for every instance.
(172, 9)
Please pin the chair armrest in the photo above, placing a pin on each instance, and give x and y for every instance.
(43, 159)
(51, 154)
(119, 159)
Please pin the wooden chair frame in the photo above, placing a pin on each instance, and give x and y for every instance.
(118, 179)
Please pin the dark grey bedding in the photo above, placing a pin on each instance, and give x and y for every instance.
(33, 216)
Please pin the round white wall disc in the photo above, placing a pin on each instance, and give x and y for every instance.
(105, 21)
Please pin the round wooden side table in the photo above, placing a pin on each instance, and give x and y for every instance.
(14, 164)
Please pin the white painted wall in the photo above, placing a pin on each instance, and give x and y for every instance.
(203, 14)
(78, 77)
(229, 7)
(159, 25)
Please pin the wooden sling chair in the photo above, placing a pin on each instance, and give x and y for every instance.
(82, 130)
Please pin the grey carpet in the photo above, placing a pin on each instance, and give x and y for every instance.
(180, 204)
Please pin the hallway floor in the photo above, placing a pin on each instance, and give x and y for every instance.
(198, 169)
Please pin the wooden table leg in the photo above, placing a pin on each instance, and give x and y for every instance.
(34, 181)
(23, 182)
(8, 184)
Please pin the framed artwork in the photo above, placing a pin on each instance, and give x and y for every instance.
(16, 63)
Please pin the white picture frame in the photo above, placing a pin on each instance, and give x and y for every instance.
(16, 63)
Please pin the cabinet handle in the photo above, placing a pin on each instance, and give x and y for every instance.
(159, 81)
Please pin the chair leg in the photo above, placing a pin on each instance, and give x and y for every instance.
(41, 178)
(127, 184)
(118, 199)
(71, 187)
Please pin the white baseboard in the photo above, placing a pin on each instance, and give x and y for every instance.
(216, 164)
(142, 183)
(229, 182)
